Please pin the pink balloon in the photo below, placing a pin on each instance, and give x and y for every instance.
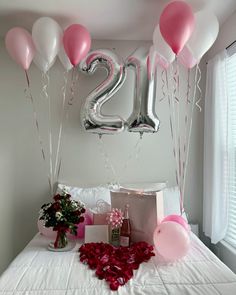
(171, 240)
(81, 227)
(179, 219)
(77, 43)
(186, 58)
(176, 24)
(20, 46)
(46, 231)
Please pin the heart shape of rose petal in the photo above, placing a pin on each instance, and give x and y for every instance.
(115, 265)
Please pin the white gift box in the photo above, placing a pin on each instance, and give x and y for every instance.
(96, 234)
(145, 211)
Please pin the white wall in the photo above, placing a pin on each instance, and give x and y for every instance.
(226, 36)
(23, 181)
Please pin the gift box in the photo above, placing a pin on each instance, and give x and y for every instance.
(96, 234)
(145, 211)
(99, 213)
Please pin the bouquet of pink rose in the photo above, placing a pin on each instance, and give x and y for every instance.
(63, 215)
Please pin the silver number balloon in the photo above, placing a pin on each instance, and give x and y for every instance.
(92, 118)
(143, 118)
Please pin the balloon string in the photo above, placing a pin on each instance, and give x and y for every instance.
(179, 141)
(30, 96)
(190, 130)
(72, 87)
(186, 120)
(199, 89)
(176, 80)
(108, 164)
(63, 90)
(170, 103)
(176, 119)
(46, 81)
(172, 111)
(163, 85)
(178, 112)
(188, 88)
(65, 111)
(135, 152)
(44, 92)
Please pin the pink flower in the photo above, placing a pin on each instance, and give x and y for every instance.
(115, 218)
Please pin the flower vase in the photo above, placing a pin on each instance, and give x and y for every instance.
(61, 244)
(61, 240)
(114, 236)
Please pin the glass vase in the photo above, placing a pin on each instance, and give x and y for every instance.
(61, 244)
(61, 240)
(114, 236)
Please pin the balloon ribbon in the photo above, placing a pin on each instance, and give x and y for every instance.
(30, 96)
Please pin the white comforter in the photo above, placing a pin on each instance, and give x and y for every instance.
(38, 271)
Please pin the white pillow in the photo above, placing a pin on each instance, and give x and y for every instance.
(145, 186)
(89, 196)
(171, 198)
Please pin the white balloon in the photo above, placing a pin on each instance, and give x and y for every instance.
(162, 48)
(47, 36)
(204, 35)
(197, 4)
(42, 64)
(64, 59)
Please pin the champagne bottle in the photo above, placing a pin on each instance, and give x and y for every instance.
(125, 233)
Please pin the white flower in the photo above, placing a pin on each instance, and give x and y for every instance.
(81, 204)
(59, 215)
(74, 204)
(46, 207)
(65, 190)
(41, 211)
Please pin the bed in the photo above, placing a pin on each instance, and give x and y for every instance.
(37, 271)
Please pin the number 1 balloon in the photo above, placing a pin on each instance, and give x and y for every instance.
(92, 118)
(177, 24)
(143, 117)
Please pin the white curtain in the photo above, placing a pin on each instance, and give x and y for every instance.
(216, 164)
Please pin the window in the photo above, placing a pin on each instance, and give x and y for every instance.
(231, 89)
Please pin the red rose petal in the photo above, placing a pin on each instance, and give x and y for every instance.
(114, 286)
(115, 265)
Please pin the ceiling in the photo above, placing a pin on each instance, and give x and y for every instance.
(105, 19)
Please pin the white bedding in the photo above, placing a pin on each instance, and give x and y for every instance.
(37, 271)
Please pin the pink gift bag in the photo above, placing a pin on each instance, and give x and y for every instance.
(99, 213)
(145, 211)
(99, 218)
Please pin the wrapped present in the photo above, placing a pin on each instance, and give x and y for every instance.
(145, 211)
(99, 213)
(96, 234)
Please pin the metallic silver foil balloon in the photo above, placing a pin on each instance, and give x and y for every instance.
(92, 118)
(143, 118)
